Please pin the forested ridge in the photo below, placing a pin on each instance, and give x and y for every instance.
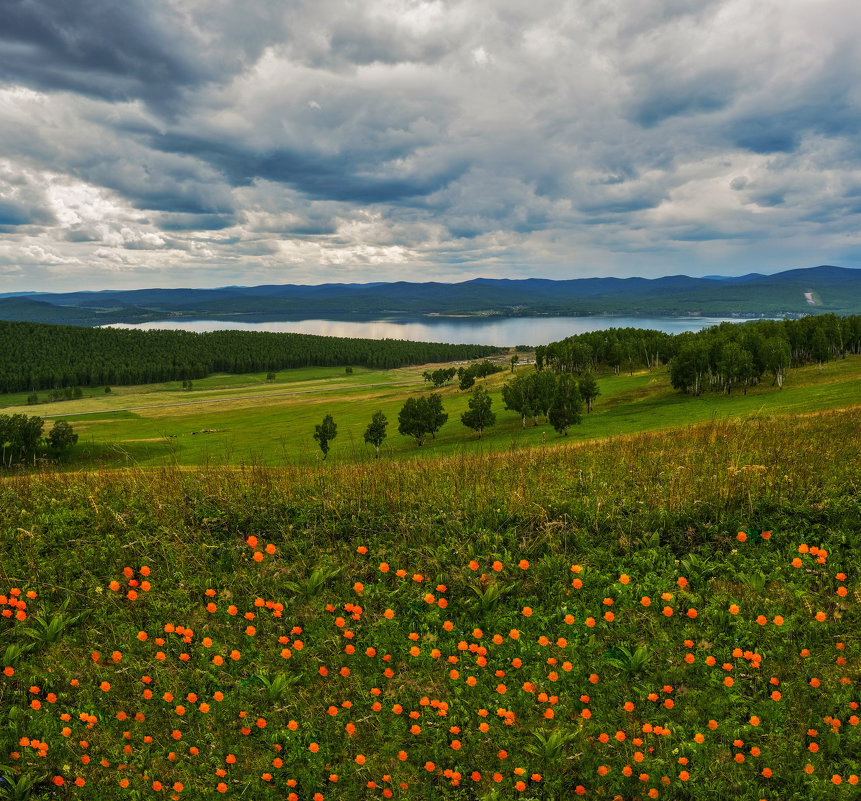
(789, 293)
(37, 356)
(716, 358)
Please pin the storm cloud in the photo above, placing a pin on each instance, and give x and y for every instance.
(186, 142)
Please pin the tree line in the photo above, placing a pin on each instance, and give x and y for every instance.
(21, 439)
(719, 358)
(559, 399)
(37, 356)
(466, 376)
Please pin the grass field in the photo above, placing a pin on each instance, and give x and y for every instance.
(582, 620)
(233, 419)
(664, 605)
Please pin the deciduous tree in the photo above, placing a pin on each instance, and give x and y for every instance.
(517, 396)
(439, 377)
(412, 420)
(567, 404)
(589, 389)
(775, 357)
(466, 378)
(479, 415)
(61, 437)
(436, 415)
(375, 433)
(325, 433)
(542, 388)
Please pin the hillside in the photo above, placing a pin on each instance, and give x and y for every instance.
(662, 605)
(824, 289)
(252, 419)
(655, 617)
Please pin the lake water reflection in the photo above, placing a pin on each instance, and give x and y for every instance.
(503, 332)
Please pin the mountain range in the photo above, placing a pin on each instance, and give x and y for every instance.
(814, 290)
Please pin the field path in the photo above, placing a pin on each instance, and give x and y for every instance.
(257, 396)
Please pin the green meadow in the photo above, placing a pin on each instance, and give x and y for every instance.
(643, 617)
(663, 605)
(236, 419)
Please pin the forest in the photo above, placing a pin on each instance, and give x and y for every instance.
(38, 356)
(717, 358)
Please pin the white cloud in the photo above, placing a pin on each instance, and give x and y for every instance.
(414, 139)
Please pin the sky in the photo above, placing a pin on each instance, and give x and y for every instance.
(208, 143)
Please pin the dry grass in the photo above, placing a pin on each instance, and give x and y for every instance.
(624, 487)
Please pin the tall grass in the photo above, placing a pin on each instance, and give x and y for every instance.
(652, 505)
(682, 484)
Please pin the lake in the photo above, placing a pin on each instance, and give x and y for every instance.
(501, 331)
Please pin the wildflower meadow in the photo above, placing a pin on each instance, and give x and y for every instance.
(155, 645)
(502, 674)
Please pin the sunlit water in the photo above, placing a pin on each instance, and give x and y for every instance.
(504, 332)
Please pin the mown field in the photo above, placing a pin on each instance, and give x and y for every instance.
(648, 616)
(234, 419)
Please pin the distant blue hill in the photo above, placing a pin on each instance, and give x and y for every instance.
(814, 290)
(735, 279)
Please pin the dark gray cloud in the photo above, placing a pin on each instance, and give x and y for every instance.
(14, 213)
(348, 176)
(152, 50)
(176, 221)
(23, 201)
(158, 141)
(82, 233)
(100, 48)
(674, 98)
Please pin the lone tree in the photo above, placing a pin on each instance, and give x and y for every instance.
(567, 404)
(421, 416)
(325, 433)
(61, 437)
(588, 389)
(436, 415)
(478, 416)
(466, 378)
(375, 433)
(412, 422)
(485, 368)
